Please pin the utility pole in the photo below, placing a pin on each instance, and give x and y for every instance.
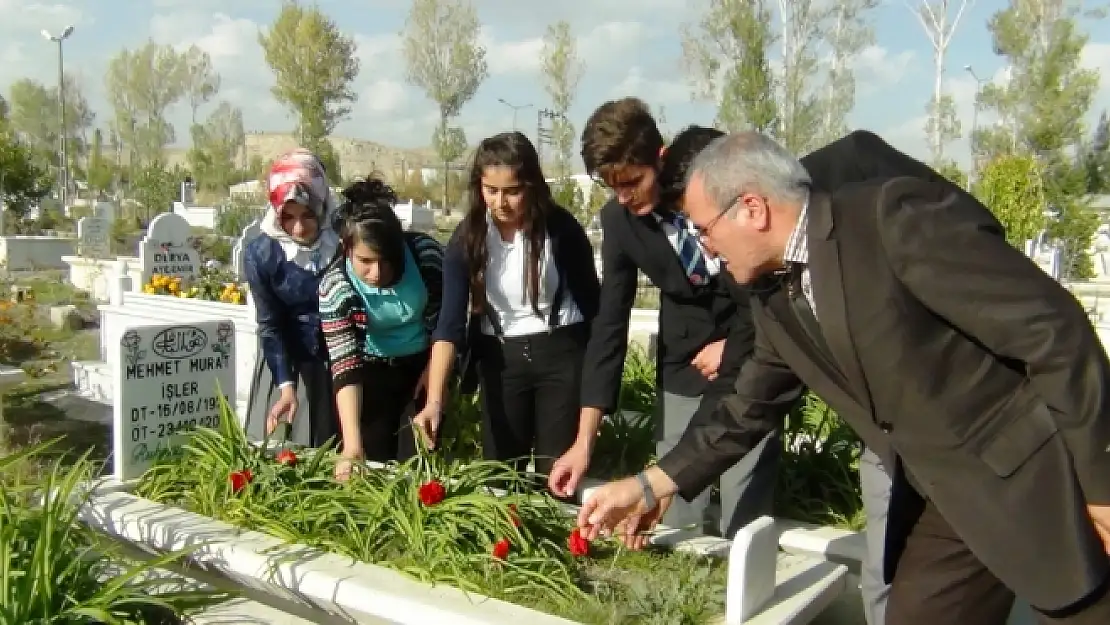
(516, 108)
(63, 164)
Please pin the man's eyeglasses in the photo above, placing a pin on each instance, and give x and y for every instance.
(703, 232)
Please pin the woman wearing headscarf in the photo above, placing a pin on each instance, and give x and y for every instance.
(283, 267)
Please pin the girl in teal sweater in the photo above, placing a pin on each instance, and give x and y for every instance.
(379, 301)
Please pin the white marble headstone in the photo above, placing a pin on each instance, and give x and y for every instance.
(166, 250)
(168, 381)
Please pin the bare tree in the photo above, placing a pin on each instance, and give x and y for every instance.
(940, 19)
(562, 70)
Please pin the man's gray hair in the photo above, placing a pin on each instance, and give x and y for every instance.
(750, 162)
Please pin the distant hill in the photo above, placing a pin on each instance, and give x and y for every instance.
(356, 156)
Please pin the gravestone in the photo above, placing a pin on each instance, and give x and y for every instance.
(239, 250)
(104, 210)
(94, 237)
(168, 381)
(166, 250)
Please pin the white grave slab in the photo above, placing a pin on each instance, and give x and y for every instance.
(168, 381)
(94, 237)
(239, 250)
(166, 251)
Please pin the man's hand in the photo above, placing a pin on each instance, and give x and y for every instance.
(619, 506)
(708, 360)
(568, 470)
(1100, 515)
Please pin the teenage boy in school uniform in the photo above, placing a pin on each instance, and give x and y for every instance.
(698, 317)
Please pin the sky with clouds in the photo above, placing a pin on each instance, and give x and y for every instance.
(630, 47)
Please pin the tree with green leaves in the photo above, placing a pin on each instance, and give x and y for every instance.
(201, 82)
(35, 117)
(803, 29)
(562, 71)
(1096, 157)
(444, 58)
(101, 173)
(218, 146)
(940, 19)
(1011, 187)
(155, 187)
(1045, 102)
(726, 54)
(849, 32)
(314, 65)
(142, 86)
(23, 182)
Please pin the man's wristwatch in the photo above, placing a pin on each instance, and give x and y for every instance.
(649, 494)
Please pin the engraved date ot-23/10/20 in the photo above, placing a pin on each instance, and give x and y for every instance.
(169, 428)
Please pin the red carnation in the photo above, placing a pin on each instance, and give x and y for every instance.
(578, 544)
(286, 457)
(240, 479)
(513, 515)
(501, 549)
(431, 493)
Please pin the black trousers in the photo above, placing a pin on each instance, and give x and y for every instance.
(388, 405)
(530, 395)
(940, 582)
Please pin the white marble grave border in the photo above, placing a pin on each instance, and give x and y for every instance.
(764, 586)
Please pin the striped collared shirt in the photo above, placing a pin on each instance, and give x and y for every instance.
(797, 252)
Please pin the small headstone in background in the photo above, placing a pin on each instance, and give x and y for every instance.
(94, 237)
(66, 317)
(166, 249)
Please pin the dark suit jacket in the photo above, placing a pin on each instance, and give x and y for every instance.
(954, 355)
(690, 317)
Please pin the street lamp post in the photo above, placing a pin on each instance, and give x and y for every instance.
(63, 166)
(974, 123)
(516, 108)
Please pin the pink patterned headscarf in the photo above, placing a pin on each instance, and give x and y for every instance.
(299, 176)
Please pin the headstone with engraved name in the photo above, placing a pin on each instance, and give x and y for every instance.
(166, 250)
(169, 380)
(94, 237)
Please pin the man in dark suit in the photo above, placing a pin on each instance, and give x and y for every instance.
(969, 370)
(622, 145)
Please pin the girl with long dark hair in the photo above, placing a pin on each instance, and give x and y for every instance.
(525, 268)
(379, 301)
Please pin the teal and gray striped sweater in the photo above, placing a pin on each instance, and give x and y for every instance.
(343, 316)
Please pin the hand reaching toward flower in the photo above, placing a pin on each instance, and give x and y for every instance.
(284, 409)
(621, 507)
(427, 422)
(567, 472)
